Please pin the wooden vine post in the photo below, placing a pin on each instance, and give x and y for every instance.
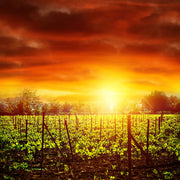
(38, 121)
(12, 119)
(26, 128)
(129, 146)
(86, 121)
(147, 140)
(68, 138)
(91, 123)
(77, 122)
(100, 126)
(42, 146)
(155, 125)
(53, 139)
(20, 126)
(59, 128)
(147, 157)
(136, 121)
(159, 125)
(162, 118)
(69, 118)
(15, 124)
(122, 126)
(115, 126)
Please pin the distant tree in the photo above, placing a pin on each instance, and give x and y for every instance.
(20, 107)
(177, 107)
(26, 103)
(11, 106)
(156, 101)
(135, 108)
(84, 107)
(3, 109)
(30, 101)
(79, 107)
(67, 107)
(45, 108)
(54, 108)
(174, 100)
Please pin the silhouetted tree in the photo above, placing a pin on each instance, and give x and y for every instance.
(20, 108)
(54, 108)
(3, 109)
(45, 108)
(67, 107)
(30, 101)
(26, 103)
(174, 100)
(11, 106)
(177, 107)
(156, 101)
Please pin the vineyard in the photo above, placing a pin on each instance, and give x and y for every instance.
(90, 146)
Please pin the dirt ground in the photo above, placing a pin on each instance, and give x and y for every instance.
(99, 168)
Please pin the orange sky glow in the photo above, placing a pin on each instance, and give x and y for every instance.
(90, 50)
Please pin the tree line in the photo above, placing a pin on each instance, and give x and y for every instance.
(29, 103)
(158, 101)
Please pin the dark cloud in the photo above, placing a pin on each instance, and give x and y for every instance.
(155, 70)
(143, 82)
(163, 31)
(155, 1)
(169, 50)
(161, 23)
(24, 63)
(22, 13)
(112, 18)
(63, 75)
(94, 43)
(11, 74)
(141, 27)
(34, 63)
(79, 4)
(17, 12)
(100, 20)
(9, 65)
(82, 46)
(142, 48)
(12, 46)
(57, 22)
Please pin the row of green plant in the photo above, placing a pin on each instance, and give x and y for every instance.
(93, 136)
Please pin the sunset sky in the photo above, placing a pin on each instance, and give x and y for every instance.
(87, 50)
